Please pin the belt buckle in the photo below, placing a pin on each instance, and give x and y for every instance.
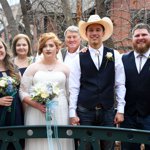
(98, 107)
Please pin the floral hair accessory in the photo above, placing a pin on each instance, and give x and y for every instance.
(109, 57)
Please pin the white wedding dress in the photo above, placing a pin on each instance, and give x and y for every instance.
(35, 117)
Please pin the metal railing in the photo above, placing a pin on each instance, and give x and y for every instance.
(85, 134)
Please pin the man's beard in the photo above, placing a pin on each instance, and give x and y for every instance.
(141, 48)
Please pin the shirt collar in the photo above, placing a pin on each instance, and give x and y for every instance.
(76, 52)
(147, 54)
(101, 49)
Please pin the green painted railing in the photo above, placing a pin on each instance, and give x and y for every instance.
(84, 133)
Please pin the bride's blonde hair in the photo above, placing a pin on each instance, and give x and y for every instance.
(47, 36)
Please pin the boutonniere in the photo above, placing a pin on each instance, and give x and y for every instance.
(109, 57)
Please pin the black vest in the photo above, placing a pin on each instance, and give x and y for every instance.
(137, 87)
(96, 86)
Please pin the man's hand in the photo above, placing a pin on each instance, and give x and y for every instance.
(119, 117)
(83, 50)
(74, 121)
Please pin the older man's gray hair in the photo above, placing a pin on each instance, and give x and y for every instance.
(72, 29)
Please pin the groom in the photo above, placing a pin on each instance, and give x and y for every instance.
(96, 77)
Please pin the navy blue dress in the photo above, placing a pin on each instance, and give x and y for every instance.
(30, 61)
(13, 117)
(22, 70)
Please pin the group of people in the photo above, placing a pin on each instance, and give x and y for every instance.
(90, 79)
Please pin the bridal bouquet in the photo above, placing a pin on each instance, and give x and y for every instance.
(44, 92)
(8, 87)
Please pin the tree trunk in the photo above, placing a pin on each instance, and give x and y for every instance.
(79, 10)
(12, 25)
(25, 18)
(67, 12)
(102, 12)
(5, 31)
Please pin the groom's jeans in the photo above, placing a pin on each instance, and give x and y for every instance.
(97, 117)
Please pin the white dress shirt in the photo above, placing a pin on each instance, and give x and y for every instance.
(75, 74)
(144, 59)
(69, 58)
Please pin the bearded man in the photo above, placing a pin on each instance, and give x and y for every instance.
(137, 72)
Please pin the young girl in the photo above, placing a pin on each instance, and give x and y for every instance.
(11, 112)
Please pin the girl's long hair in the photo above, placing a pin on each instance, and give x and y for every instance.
(9, 65)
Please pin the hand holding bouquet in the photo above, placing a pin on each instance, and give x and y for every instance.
(8, 87)
(42, 93)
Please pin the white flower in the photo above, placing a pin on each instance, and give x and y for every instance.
(3, 83)
(44, 95)
(109, 55)
(43, 92)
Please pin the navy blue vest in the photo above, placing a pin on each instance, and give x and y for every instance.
(97, 86)
(137, 87)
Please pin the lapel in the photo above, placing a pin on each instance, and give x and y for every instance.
(103, 64)
(132, 62)
(63, 51)
(146, 65)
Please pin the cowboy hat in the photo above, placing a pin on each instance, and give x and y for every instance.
(95, 19)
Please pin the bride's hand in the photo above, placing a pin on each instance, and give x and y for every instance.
(40, 107)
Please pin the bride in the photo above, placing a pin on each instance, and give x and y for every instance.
(48, 68)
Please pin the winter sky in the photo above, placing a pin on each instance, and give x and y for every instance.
(12, 2)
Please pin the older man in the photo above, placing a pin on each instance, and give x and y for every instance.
(96, 77)
(72, 44)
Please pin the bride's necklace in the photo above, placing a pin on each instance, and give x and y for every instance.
(50, 67)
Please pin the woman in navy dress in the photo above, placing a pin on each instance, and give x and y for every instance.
(14, 115)
(21, 47)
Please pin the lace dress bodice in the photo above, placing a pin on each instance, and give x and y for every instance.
(34, 116)
(53, 77)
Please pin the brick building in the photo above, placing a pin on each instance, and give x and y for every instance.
(125, 14)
